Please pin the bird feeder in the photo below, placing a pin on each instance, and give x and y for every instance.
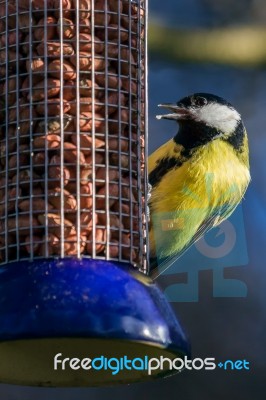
(73, 194)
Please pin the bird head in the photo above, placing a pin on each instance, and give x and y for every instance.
(204, 117)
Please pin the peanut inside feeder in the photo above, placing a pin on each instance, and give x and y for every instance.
(72, 83)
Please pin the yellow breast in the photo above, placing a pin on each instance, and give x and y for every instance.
(215, 175)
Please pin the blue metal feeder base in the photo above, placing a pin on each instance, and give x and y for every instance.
(80, 310)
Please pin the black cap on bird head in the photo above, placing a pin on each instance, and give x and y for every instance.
(203, 117)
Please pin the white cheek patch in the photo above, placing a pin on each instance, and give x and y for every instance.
(219, 116)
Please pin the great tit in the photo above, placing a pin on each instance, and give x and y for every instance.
(197, 178)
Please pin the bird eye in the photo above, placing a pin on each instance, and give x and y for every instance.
(199, 101)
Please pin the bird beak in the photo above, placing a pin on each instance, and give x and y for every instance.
(178, 113)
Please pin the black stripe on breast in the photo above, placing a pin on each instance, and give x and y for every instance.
(163, 166)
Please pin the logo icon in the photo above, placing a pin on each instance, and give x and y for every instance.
(228, 231)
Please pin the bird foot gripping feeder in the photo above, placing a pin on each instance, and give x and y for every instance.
(73, 195)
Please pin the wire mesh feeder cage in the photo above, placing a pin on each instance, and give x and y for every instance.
(73, 193)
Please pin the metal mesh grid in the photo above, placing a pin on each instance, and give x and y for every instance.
(72, 125)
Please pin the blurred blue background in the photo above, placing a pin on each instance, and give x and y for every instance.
(220, 327)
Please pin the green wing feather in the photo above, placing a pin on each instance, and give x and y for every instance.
(214, 220)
